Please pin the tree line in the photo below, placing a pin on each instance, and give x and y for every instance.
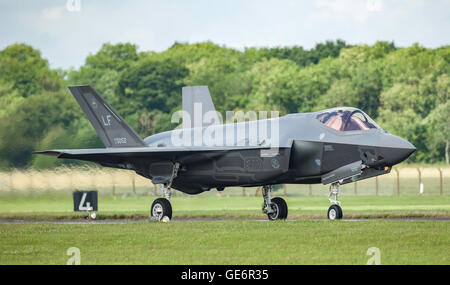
(404, 89)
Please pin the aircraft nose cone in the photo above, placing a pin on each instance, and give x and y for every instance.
(396, 149)
(404, 153)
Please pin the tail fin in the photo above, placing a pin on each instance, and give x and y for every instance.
(192, 95)
(110, 126)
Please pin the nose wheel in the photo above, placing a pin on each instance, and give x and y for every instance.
(335, 210)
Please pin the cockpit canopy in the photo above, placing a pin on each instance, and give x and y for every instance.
(346, 119)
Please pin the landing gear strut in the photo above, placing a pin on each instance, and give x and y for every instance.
(335, 210)
(161, 209)
(276, 208)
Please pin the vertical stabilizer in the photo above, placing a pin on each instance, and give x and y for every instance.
(193, 97)
(112, 129)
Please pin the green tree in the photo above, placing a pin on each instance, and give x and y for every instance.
(438, 131)
(275, 86)
(367, 84)
(298, 54)
(399, 114)
(28, 72)
(150, 85)
(33, 118)
(224, 77)
(102, 70)
(341, 93)
(113, 57)
(9, 98)
(185, 54)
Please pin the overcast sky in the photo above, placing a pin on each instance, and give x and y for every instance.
(66, 32)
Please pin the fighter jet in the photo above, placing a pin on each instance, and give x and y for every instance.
(332, 147)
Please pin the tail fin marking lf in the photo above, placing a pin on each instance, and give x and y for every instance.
(110, 126)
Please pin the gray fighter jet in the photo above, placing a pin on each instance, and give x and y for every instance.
(334, 146)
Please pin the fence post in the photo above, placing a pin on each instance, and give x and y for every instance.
(376, 185)
(420, 177)
(133, 183)
(113, 184)
(243, 192)
(398, 181)
(441, 190)
(257, 190)
(310, 190)
(356, 188)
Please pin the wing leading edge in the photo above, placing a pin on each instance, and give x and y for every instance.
(119, 155)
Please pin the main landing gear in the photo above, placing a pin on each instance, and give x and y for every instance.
(276, 208)
(161, 209)
(335, 210)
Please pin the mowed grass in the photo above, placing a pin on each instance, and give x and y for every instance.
(228, 242)
(61, 206)
(234, 241)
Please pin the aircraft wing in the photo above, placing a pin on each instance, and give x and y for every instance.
(121, 155)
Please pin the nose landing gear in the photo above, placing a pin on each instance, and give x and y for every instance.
(335, 210)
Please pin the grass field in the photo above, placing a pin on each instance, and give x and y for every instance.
(61, 206)
(234, 241)
(228, 242)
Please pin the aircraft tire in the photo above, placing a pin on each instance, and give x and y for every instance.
(281, 209)
(161, 207)
(335, 212)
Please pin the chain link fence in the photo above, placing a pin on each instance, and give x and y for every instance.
(401, 181)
